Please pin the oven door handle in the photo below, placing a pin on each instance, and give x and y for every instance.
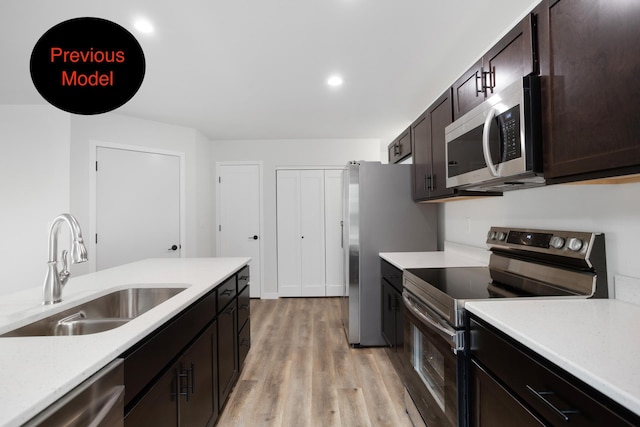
(451, 335)
(486, 130)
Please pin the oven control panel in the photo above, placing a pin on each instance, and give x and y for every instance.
(573, 244)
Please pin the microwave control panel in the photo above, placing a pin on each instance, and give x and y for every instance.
(509, 125)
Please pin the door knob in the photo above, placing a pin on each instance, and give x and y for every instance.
(254, 237)
(173, 248)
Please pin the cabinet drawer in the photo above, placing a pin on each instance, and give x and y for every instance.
(243, 306)
(550, 391)
(244, 343)
(243, 278)
(226, 292)
(392, 274)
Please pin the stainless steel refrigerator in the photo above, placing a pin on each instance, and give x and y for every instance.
(379, 216)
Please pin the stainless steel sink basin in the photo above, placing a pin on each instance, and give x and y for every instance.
(98, 315)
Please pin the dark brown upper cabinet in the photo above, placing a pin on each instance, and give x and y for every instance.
(512, 58)
(590, 81)
(400, 148)
(429, 168)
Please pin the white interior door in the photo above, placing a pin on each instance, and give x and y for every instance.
(334, 257)
(137, 206)
(312, 233)
(239, 214)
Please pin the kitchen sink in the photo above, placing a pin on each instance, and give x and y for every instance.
(98, 315)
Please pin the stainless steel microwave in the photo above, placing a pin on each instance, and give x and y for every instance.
(497, 146)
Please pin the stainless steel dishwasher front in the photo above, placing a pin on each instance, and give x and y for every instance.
(97, 402)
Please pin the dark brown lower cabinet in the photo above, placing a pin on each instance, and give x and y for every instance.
(227, 351)
(392, 328)
(196, 382)
(512, 385)
(392, 317)
(244, 325)
(159, 407)
(182, 374)
(185, 394)
(493, 405)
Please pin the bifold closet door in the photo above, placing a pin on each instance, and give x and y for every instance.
(288, 232)
(300, 222)
(312, 254)
(334, 251)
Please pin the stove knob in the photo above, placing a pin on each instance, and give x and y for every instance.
(491, 235)
(557, 242)
(574, 244)
(500, 235)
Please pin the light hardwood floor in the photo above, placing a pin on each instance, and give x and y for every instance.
(301, 371)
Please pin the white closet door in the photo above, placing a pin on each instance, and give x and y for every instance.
(312, 232)
(334, 251)
(288, 232)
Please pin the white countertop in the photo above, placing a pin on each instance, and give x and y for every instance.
(594, 340)
(454, 255)
(36, 371)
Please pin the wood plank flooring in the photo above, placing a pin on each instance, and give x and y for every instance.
(301, 371)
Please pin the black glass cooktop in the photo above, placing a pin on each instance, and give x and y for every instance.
(465, 283)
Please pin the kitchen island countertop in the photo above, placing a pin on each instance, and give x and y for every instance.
(36, 371)
(592, 339)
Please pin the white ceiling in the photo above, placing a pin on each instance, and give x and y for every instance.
(257, 69)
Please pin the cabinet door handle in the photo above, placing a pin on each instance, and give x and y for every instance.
(183, 383)
(244, 307)
(492, 78)
(564, 414)
(428, 183)
(479, 87)
(192, 386)
(243, 278)
(227, 292)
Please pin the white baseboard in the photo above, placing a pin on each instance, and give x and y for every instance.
(334, 290)
(269, 295)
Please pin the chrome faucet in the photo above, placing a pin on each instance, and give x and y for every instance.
(54, 281)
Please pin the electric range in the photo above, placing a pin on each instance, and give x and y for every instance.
(523, 263)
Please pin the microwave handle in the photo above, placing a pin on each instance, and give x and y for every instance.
(485, 142)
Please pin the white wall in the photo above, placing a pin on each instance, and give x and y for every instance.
(287, 153)
(205, 198)
(34, 189)
(612, 209)
(118, 129)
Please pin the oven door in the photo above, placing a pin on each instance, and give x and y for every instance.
(433, 373)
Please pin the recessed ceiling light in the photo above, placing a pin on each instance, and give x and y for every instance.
(334, 81)
(143, 26)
